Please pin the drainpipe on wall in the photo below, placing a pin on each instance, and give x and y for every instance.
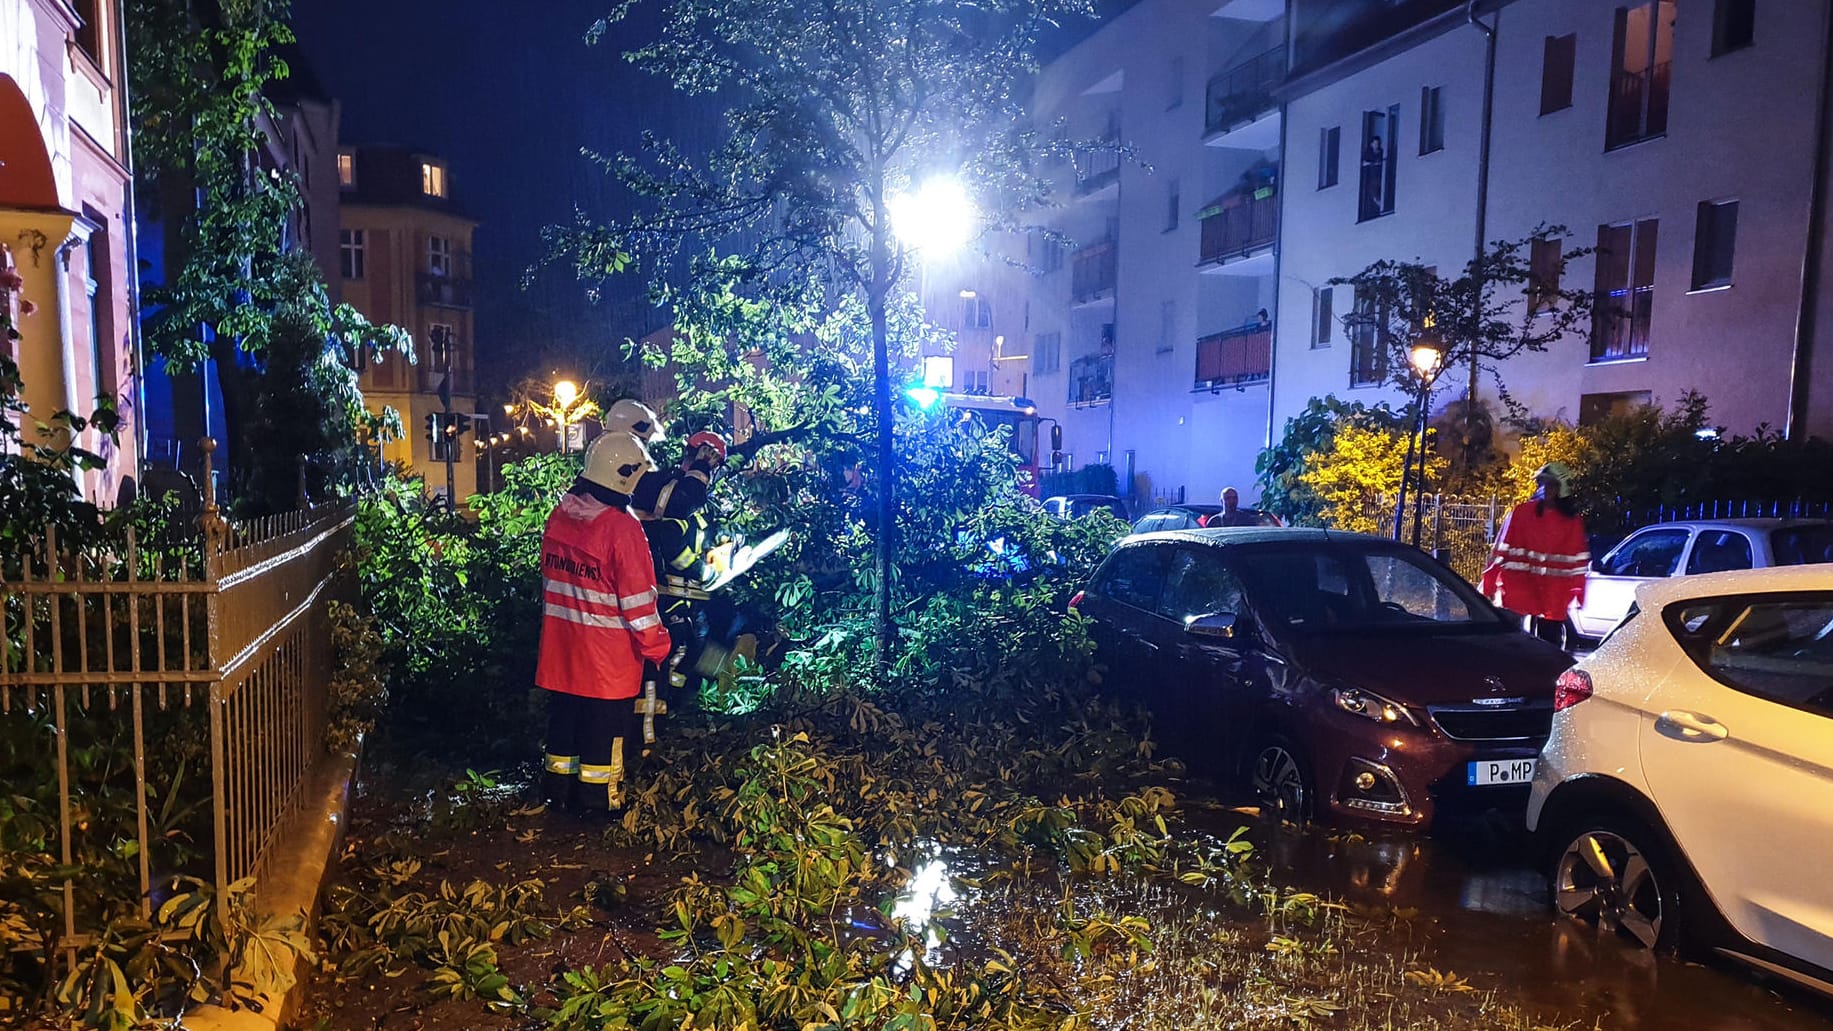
(1279, 242)
(131, 215)
(1808, 314)
(1482, 219)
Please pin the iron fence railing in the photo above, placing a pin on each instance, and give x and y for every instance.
(1091, 380)
(1239, 224)
(126, 669)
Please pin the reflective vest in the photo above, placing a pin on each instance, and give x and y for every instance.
(599, 619)
(1539, 562)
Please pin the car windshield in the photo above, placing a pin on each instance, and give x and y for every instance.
(1802, 545)
(1079, 507)
(1337, 589)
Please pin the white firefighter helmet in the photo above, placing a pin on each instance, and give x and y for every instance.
(616, 461)
(635, 418)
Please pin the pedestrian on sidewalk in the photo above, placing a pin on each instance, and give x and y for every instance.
(1538, 566)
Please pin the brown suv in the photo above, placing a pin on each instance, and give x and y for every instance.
(1336, 674)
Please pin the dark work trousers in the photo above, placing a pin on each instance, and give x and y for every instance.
(587, 742)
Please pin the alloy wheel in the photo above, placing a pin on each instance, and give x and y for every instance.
(1279, 783)
(1604, 879)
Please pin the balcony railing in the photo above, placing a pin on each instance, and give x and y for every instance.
(1638, 105)
(1098, 167)
(1094, 273)
(444, 291)
(1244, 92)
(1235, 357)
(1239, 224)
(1091, 380)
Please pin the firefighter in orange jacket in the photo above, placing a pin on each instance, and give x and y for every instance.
(599, 624)
(1539, 563)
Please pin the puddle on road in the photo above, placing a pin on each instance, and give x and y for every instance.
(1473, 884)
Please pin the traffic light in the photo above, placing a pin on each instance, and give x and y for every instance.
(432, 426)
(1056, 445)
(461, 424)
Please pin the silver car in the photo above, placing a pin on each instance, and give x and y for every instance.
(1684, 548)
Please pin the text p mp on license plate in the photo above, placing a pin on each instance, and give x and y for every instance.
(1486, 772)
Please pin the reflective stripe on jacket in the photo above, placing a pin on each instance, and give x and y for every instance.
(1539, 562)
(598, 602)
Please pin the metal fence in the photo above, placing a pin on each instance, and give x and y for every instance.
(1460, 530)
(212, 652)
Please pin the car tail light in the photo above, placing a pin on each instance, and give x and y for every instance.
(1076, 601)
(1573, 687)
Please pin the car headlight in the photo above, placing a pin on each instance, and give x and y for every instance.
(1371, 706)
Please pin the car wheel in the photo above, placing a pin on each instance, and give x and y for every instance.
(1282, 782)
(1616, 875)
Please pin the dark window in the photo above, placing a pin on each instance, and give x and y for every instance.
(1135, 576)
(89, 33)
(1322, 299)
(976, 311)
(1431, 119)
(1047, 352)
(1625, 290)
(1200, 585)
(1719, 551)
(1049, 254)
(1368, 339)
(1595, 408)
(1801, 545)
(1714, 240)
(351, 248)
(1652, 553)
(1379, 130)
(1543, 273)
(1734, 25)
(1641, 57)
(1556, 63)
(95, 274)
(1777, 648)
(1174, 84)
(1329, 151)
(1173, 201)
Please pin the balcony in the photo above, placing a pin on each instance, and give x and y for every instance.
(1091, 380)
(1098, 169)
(1239, 231)
(1235, 358)
(1239, 110)
(1638, 106)
(444, 291)
(1093, 273)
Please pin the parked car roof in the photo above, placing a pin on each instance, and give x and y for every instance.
(1220, 536)
(1665, 591)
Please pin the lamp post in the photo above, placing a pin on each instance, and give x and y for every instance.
(934, 219)
(448, 427)
(565, 393)
(1427, 358)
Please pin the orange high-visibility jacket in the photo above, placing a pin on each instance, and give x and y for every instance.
(1539, 562)
(599, 617)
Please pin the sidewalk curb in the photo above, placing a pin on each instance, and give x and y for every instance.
(296, 873)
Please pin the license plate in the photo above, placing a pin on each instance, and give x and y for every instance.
(1489, 772)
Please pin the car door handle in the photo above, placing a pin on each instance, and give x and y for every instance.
(1691, 726)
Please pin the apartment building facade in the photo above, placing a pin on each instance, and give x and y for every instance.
(404, 258)
(1149, 337)
(1269, 147)
(1676, 137)
(66, 224)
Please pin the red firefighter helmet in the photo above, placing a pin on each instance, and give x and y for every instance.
(707, 438)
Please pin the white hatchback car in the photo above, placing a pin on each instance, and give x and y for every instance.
(1685, 797)
(1686, 548)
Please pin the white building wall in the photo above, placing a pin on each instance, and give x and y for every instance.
(1174, 439)
(1726, 139)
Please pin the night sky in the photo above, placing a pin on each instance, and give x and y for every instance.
(508, 93)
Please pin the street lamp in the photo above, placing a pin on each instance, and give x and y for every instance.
(1427, 358)
(934, 219)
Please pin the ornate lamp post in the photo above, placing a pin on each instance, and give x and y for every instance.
(1427, 358)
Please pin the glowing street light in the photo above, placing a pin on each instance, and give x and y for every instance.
(936, 218)
(566, 392)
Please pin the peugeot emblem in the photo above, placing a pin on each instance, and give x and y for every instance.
(1494, 683)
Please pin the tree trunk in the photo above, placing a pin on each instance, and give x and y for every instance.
(876, 292)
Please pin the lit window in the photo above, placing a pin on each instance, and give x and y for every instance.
(346, 169)
(939, 371)
(432, 179)
(351, 245)
(1640, 68)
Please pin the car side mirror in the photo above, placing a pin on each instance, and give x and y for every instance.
(1217, 626)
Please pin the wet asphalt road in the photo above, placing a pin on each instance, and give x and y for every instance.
(1474, 882)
